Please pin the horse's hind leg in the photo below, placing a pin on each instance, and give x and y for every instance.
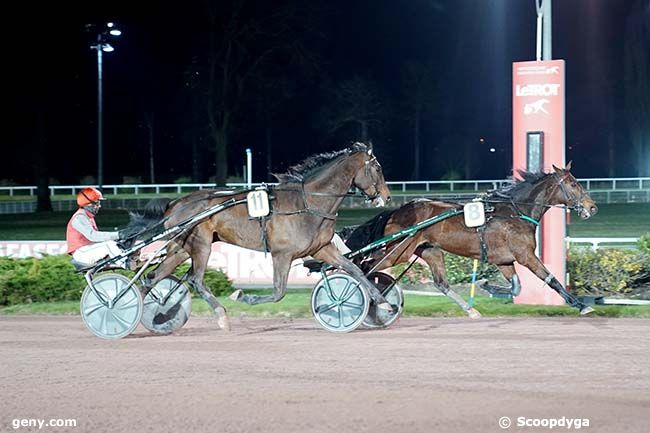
(163, 270)
(200, 253)
(435, 259)
(281, 268)
(532, 262)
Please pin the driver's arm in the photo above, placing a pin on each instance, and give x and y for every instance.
(82, 224)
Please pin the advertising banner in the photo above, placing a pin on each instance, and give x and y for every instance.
(243, 267)
(538, 106)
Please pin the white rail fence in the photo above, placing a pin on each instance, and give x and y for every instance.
(601, 185)
(21, 199)
(597, 243)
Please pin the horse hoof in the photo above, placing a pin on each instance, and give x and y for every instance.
(236, 295)
(385, 306)
(473, 313)
(222, 319)
(224, 323)
(586, 310)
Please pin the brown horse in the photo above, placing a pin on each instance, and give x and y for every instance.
(507, 236)
(301, 223)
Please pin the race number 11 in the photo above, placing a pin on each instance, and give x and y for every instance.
(474, 214)
(258, 203)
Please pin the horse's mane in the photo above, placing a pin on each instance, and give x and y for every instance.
(312, 165)
(515, 188)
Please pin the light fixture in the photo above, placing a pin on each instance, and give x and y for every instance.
(100, 47)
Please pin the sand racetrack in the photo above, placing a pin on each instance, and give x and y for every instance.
(275, 376)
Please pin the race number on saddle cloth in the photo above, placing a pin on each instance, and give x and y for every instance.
(86, 244)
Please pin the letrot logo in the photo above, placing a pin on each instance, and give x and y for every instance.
(536, 107)
(538, 90)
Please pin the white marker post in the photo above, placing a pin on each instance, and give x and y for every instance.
(249, 168)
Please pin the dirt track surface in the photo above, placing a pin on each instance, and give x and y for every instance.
(273, 376)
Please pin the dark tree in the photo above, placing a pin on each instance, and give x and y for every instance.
(419, 84)
(243, 35)
(356, 102)
(637, 83)
(43, 202)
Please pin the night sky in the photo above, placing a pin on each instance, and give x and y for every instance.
(288, 103)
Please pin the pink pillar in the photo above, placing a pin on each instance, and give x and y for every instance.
(538, 105)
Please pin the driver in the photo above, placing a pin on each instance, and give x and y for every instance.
(86, 244)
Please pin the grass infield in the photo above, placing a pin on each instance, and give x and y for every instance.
(296, 305)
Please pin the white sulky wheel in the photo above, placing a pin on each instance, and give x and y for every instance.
(378, 318)
(165, 318)
(339, 302)
(115, 318)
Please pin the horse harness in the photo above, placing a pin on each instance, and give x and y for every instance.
(308, 209)
(481, 229)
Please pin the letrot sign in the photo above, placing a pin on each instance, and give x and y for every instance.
(538, 139)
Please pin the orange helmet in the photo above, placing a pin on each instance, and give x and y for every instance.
(88, 196)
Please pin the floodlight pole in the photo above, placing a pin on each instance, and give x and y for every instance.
(101, 45)
(547, 46)
(544, 29)
(100, 114)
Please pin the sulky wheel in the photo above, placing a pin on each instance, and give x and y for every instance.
(167, 306)
(109, 317)
(339, 303)
(392, 292)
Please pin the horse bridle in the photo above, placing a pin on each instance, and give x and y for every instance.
(366, 163)
(574, 200)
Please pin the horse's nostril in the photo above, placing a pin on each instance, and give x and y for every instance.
(593, 210)
(388, 199)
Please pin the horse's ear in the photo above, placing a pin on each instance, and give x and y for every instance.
(557, 170)
(369, 148)
(568, 166)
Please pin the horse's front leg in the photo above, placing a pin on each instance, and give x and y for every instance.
(281, 268)
(532, 262)
(511, 276)
(436, 261)
(508, 271)
(330, 254)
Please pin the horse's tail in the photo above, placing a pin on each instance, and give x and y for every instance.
(141, 224)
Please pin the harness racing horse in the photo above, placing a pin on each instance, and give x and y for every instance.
(301, 223)
(508, 234)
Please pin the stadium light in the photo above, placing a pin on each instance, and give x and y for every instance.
(101, 45)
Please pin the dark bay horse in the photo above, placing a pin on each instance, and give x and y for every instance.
(301, 223)
(507, 236)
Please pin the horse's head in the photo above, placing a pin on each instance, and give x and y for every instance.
(370, 179)
(572, 194)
